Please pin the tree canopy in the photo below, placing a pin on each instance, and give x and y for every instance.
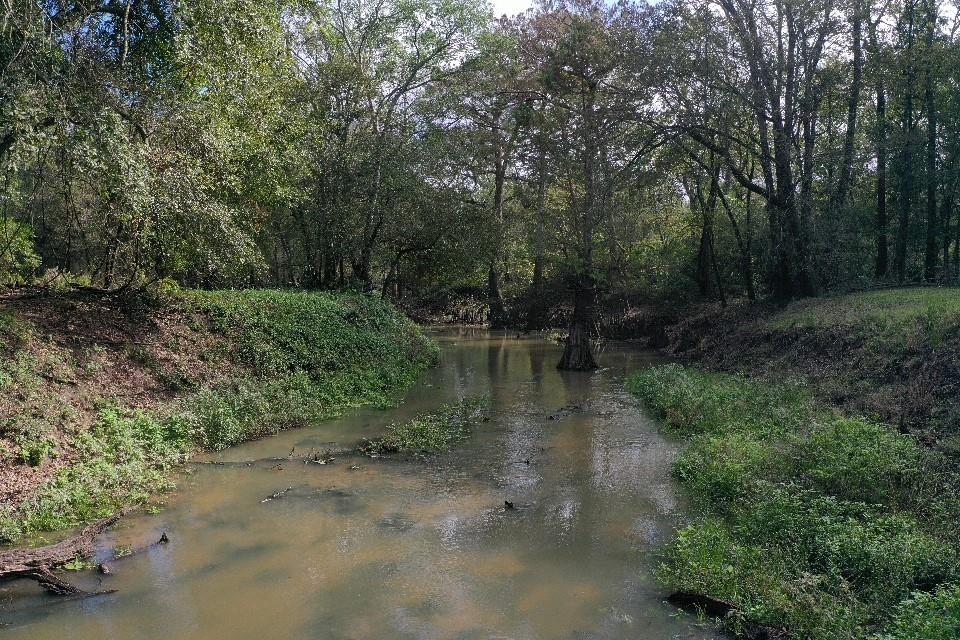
(580, 153)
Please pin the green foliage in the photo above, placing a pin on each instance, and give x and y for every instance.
(277, 333)
(692, 402)
(879, 558)
(123, 459)
(431, 432)
(249, 408)
(859, 460)
(817, 523)
(708, 558)
(18, 259)
(34, 447)
(719, 470)
(927, 616)
(310, 356)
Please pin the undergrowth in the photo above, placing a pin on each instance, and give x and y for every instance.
(826, 526)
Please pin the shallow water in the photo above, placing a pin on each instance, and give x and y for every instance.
(410, 549)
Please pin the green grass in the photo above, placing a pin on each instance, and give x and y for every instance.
(431, 432)
(293, 358)
(694, 402)
(925, 315)
(824, 525)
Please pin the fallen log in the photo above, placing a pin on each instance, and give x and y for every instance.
(38, 563)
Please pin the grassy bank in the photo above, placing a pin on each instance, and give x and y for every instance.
(892, 355)
(99, 401)
(822, 525)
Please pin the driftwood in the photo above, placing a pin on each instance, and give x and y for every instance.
(38, 563)
(698, 603)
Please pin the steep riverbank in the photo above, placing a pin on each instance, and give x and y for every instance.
(821, 451)
(101, 399)
(892, 355)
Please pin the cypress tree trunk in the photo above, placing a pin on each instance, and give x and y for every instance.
(578, 352)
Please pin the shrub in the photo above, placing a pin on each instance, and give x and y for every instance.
(880, 557)
(825, 524)
(765, 587)
(18, 257)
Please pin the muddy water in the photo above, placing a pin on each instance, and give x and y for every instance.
(383, 549)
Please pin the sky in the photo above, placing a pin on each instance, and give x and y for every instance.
(510, 7)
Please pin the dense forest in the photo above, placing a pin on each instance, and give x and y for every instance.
(580, 154)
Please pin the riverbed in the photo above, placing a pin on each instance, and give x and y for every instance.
(383, 548)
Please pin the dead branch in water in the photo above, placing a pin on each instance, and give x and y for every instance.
(38, 563)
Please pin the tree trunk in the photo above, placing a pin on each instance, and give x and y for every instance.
(882, 265)
(498, 314)
(947, 216)
(853, 103)
(906, 165)
(931, 254)
(578, 352)
(704, 275)
(536, 312)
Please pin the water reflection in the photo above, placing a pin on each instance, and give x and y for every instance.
(411, 550)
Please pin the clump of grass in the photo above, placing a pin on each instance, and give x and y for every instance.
(816, 523)
(431, 432)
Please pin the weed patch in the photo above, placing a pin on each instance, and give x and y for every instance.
(431, 432)
(826, 526)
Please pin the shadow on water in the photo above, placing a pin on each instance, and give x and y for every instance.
(384, 549)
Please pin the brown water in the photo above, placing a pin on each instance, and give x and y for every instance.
(410, 549)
